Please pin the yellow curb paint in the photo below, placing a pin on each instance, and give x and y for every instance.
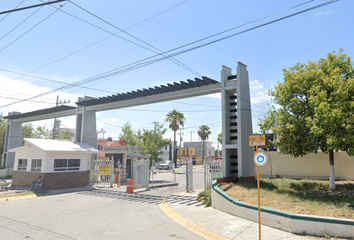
(197, 229)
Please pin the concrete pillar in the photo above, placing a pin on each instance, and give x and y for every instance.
(236, 123)
(86, 129)
(13, 139)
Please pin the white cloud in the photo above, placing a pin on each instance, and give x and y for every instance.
(14, 90)
(256, 85)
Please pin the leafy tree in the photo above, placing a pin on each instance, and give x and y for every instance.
(176, 119)
(128, 135)
(65, 135)
(204, 132)
(42, 132)
(153, 142)
(315, 109)
(2, 133)
(220, 138)
(27, 130)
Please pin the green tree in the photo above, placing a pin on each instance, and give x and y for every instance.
(176, 119)
(2, 133)
(42, 132)
(27, 130)
(204, 132)
(153, 142)
(64, 135)
(315, 107)
(220, 138)
(128, 135)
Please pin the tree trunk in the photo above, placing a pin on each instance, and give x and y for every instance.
(174, 149)
(203, 150)
(332, 184)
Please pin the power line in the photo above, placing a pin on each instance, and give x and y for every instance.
(141, 63)
(90, 45)
(32, 6)
(56, 81)
(31, 28)
(140, 40)
(9, 13)
(21, 23)
(26, 100)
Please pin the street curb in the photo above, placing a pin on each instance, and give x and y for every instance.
(191, 226)
(164, 185)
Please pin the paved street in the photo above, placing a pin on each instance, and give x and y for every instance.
(113, 214)
(103, 213)
(98, 214)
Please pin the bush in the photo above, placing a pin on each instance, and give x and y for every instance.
(205, 197)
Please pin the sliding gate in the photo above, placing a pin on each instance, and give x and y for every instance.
(103, 172)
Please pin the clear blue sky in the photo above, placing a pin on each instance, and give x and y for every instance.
(38, 41)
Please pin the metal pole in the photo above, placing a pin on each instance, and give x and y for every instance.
(259, 199)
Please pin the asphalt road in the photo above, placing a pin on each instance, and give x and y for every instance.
(97, 214)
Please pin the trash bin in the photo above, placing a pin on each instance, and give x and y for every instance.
(130, 185)
(115, 179)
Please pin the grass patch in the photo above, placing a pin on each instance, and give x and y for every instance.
(310, 197)
(205, 197)
(26, 193)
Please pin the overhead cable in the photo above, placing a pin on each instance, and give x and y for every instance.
(9, 12)
(32, 6)
(142, 63)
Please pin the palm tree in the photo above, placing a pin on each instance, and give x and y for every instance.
(220, 138)
(204, 132)
(176, 119)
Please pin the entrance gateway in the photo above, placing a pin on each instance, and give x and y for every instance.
(235, 111)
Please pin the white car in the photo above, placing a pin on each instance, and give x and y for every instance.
(166, 165)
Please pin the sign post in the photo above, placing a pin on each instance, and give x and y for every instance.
(259, 160)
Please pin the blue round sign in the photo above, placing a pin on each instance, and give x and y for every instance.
(260, 159)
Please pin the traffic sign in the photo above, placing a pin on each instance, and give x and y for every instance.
(257, 140)
(260, 159)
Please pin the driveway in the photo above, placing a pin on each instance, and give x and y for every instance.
(96, 214)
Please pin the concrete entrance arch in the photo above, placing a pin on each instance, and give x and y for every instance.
(236, 115)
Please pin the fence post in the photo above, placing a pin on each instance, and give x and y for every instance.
(112, 171)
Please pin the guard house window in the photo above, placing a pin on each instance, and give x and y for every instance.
(36, 165)
(66, 165)
(22, 165)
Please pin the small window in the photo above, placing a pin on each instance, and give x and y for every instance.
(66, 165)
(22, 165)
(36, 165)
(166, 147)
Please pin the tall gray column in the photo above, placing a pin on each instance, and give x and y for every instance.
(236, 123)
(13, 139)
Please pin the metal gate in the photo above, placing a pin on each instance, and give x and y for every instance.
(212, 170)
(103, 172)
(141, 173)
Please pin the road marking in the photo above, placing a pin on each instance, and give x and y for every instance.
(197, 229)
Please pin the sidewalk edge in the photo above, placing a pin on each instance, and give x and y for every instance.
(197, 229)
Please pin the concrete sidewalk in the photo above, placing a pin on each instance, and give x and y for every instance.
(223, 224)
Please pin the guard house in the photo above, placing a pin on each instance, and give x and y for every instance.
(124, 158)
(62, 163)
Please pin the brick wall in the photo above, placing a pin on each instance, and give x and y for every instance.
(58, 180)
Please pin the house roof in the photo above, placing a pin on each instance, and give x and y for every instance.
(49, 145)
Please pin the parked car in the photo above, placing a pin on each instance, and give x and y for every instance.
(166, 165)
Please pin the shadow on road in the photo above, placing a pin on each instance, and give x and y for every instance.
(143, 198)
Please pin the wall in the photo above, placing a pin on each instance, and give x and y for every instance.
(58, 180)
(315, 166)
(294, 223)
(84, 163)
(29, 154)
(6, 172)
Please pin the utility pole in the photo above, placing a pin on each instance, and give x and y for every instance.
(180, 142)
(56, 125)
